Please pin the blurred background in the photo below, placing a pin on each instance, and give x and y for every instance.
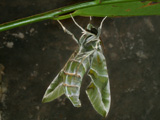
(32, 55)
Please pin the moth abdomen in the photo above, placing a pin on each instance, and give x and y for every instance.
(72, 92)
(75, 68)
(72, 74)
(67, 85)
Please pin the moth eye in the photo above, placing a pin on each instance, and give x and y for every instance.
(94, 31)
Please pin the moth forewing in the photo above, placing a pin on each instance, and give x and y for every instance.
(99, 90)
(55, 89)
(96, 99)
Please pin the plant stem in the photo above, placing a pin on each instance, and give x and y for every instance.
(54, 14)
(43, 16)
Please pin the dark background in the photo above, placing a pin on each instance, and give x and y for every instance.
(33, 54)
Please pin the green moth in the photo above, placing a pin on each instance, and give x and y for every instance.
(88, 59)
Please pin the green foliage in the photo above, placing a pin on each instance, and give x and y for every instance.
(125, 8)
(97, 8)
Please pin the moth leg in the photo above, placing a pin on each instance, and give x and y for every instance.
(100, 27)
(78, 24)
(68, 32)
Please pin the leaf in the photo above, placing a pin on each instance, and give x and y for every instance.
(99, 90)
(123, 8)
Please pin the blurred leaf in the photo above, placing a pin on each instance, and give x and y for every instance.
(128, 8)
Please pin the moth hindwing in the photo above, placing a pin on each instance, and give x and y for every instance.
(89, 57)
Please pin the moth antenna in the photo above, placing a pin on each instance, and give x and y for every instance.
(68, 32)
(100, 27)
(77, 24)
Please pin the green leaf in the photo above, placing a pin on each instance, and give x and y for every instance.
(98, 1)
(99, 90)
(123, 8)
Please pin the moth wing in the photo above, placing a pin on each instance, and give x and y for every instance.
(99, 89)
(55, 89)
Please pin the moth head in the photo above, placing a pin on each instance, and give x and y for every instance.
(90, 28)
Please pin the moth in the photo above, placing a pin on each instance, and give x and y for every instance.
(88, 59)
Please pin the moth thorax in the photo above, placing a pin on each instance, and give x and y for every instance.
(90, 42)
